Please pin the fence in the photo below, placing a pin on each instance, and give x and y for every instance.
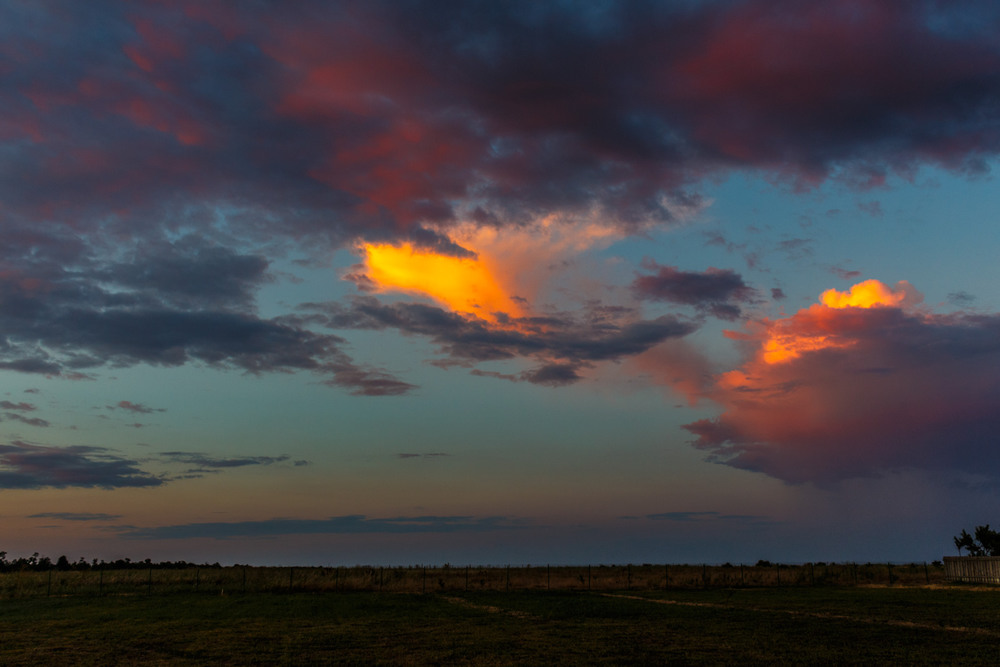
(972, 569)
(419, 579)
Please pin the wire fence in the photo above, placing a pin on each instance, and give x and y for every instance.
(239, 579)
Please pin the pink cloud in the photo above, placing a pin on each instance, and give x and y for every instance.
(870, 390)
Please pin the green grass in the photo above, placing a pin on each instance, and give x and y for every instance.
(745, 626)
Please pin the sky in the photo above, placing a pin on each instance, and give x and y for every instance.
(328, 283)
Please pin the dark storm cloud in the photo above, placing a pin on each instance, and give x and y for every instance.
(351, 524)
(27, 466)
(190, 274)
(564, 343)
(325, 119)
(69, 321)
(156, 156)
(715, 291)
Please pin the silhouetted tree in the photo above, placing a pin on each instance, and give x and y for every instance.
(985, 542)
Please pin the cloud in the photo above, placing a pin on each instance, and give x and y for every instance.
(715, 291)
(351, 524)
(961, 298)
(76, 516)
(27, 466)
(137, 408)
(426, 455)
(24, 407)
(70, 323)
(30, 421)
(796, 248)
(421, 114)
(367, 381)
(864, 383)
(563, 343)
(845, 274)
(686, 517)
(203, 463)
(157, 157)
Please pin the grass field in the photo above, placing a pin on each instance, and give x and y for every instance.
(419, 579)
(804, 625)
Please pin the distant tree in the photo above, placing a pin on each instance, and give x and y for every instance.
(62, 563)
(984, 542)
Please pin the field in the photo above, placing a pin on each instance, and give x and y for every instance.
(815, 624)
(141, 579)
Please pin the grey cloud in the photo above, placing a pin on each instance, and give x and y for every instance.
(689, 517)
(30, 421)
(563, 343)
(350, 524)
(138, 408)
(27, 466)
(76, 516)
(205, 463)
(426, 455)
(715, 291)
(25, 407)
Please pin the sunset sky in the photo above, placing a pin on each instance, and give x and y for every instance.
(404, 282)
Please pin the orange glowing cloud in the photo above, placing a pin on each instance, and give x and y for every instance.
(789, 339)
(867, 294)
(536, 262)
(464, 284)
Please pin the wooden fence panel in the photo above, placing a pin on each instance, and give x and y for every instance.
(972, 569)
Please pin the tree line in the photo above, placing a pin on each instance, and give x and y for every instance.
(36, 563)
